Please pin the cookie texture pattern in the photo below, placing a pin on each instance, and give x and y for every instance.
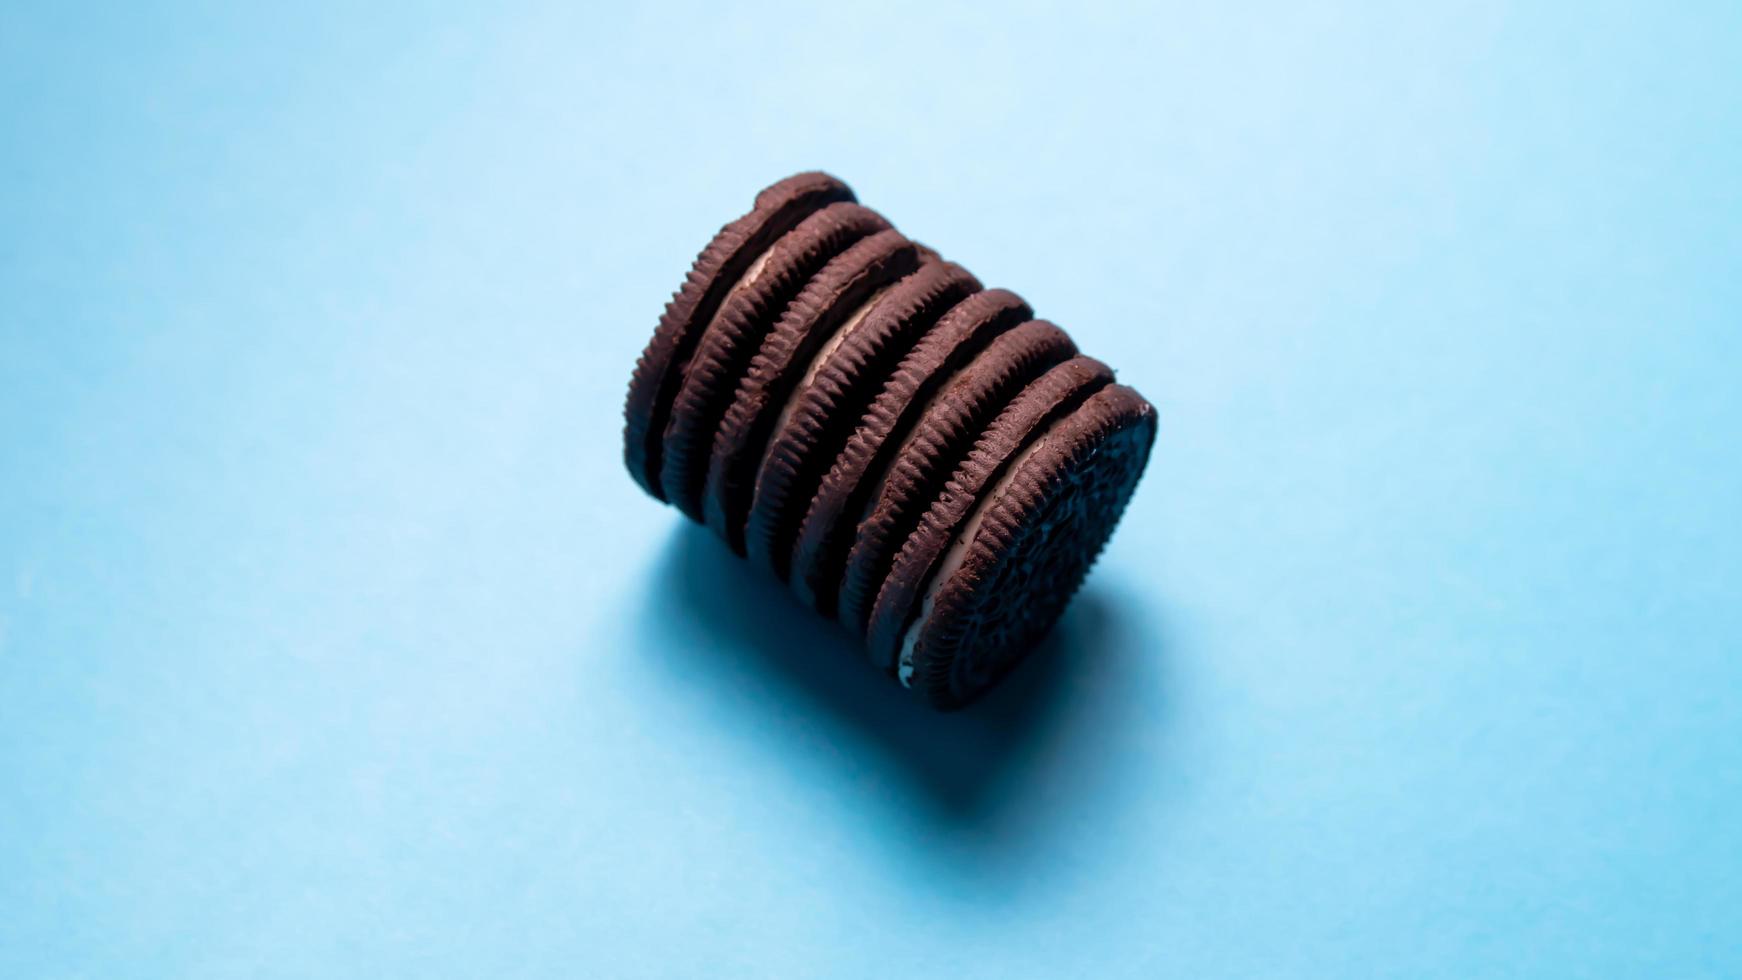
(1031, 550)
(721, 263)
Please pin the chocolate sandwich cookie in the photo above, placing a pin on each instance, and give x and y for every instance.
(731, 339)
(914, 455)
(943, 435)
(1052, 396)
(837, 299)
(1026, 548)
(777, 210)
(834, 393)
(826, 531)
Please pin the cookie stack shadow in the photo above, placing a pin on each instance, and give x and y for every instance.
(913, 454)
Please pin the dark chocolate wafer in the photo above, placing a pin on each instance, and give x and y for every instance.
(821, 415)
(723, 353)
(826, 532)
(1025, 551)
(838, 293)
(1052, 396)
(943, 435)
(652, 386)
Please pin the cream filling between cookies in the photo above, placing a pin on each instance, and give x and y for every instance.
(817, 364)
(749, 277)
(958, 551)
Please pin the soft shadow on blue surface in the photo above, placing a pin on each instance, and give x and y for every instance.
(974, 770)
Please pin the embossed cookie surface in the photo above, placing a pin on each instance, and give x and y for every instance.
(944, 434)
(1025, 551)
(1049, 398)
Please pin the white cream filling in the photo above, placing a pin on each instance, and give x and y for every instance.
(953, 558)
(750, 275)
(817, 364)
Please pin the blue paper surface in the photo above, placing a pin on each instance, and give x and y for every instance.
(334, 640)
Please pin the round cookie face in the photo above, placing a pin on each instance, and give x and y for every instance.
(653, 385)
(847, 286)
(732, 338)
(943, 435)
(826, 531)
(1051, 397)
(838, 387)
(1025, 550)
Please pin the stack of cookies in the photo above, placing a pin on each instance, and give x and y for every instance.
(914, 454)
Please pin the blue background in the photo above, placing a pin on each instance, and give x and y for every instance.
(334, 640)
